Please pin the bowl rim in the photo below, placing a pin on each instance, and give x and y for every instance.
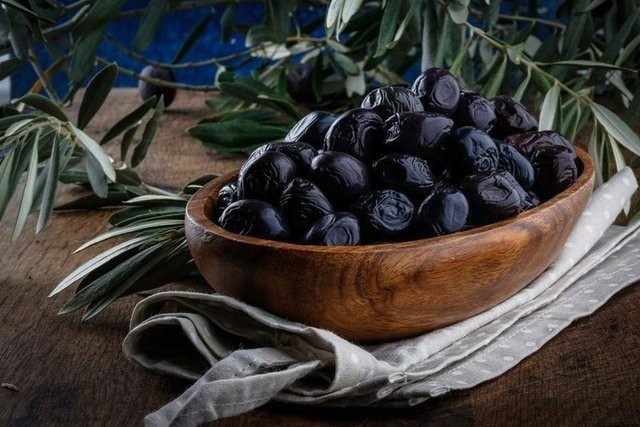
(197, 214)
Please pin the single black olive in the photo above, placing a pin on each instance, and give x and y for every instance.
(407, 174)
(383, 214)
(516, 164)
(491, 198)
(300, 152)
(511, 117)
(336, 229)
(528, 200)
(147, 90)
(227, 195)
(358, 132)
(418, 134)
(472, 152)
(390, 100)
(555, 169)
(301, 204)
(299, 83)
(438, 90)
(255, 218)
(444, 211)
(530, 142)
(311, 129)
(340, 176)
(475, 110)
(265, 176)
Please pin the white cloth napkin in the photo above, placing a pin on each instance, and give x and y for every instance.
(241, 357)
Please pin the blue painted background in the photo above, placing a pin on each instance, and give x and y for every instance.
(174, 29)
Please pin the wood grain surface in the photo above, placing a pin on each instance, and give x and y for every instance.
(387, 291)
(72, 373)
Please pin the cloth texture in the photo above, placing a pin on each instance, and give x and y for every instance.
(241, 357)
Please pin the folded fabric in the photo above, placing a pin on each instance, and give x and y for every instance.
(241, 357)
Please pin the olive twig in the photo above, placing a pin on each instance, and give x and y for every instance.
(159, 82)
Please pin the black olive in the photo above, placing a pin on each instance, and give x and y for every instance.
(528, 200)
(383, 214)
(491, 198)
(340, 176)
(555, 170)
(511, 117)
(301, 204)
(553, 158)
(147, 90)
(475, 110)
(444, 211)
(530, 142)
(516, 164)
(311, 129)
(472, 152)
(265, 177)
(299, 83)
(227, 195)
(418, 134)
(255, 218)
(336, 229)
(407, 174)
(358, 132)
(390, 100)
(300, 152)
(438, 90)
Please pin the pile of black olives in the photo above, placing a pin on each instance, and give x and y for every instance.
(411, 162)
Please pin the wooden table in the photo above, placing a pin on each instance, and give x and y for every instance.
(72, 373)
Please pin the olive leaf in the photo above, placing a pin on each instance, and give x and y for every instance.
(549, 109)
(96, 93)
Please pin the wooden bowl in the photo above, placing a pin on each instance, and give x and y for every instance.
(387, 291)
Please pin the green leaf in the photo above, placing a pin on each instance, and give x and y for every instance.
(193, 37)
(97, 262)
(129, 120)
(131, 229)
(523, 86)
(125, 273)
(148, 134)
(334, 11)
(594, 152)
(7, 167)
(136, 215)
(227, 22)
(575, 33)
(96, 93)
(9, 66)
(100, 13)
(236, 135)
(617, 128)
(594, 4)
(492, 87)
(97, 178)
(147, 28)
(97, 152)
(345, 64)
(127, 139)
(50, 187)
(28, 193)
(45, 105)
(388, 27)
(458, 11)
(278, 17)
(84, 55)
(155, 200)
(549, 109)
(585, 64)
(115, 197)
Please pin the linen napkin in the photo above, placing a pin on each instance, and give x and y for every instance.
(241, 357)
